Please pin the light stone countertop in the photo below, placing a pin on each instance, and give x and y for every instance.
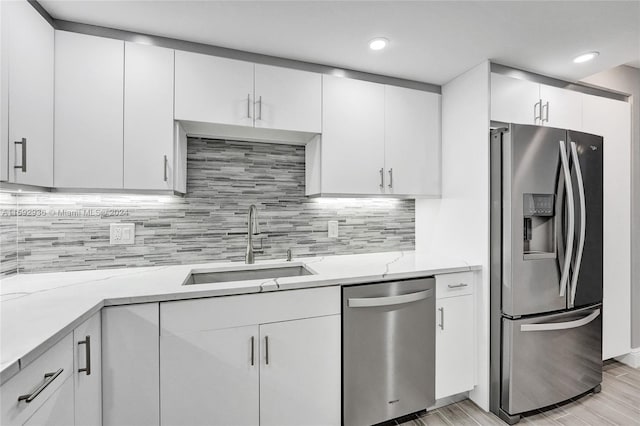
(37, 310)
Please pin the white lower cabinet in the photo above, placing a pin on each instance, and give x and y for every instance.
(210, 377)
(283, 369)
(87, 372)
(56, 410)
(42, 392)
(130, 365)
(303, 369)
(455, 334)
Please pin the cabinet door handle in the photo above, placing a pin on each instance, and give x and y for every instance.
(252, 350)
(248, 105)
(49, 378)
(391, 178)
(266, 350)
(259, 108)
(381, 178)
(546, 113)
(23, 166)
(165, 168)
(457, 285)
(537, 112)
(87, 355)
(441, 325)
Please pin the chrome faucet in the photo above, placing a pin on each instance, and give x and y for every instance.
(252, 229)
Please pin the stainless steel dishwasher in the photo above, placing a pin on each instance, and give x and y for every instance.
(388, 355)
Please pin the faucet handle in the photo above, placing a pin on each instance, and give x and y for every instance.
(289, 256)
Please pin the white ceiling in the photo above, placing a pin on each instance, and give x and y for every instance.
(431, 41)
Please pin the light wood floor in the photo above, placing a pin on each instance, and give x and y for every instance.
(617, 404)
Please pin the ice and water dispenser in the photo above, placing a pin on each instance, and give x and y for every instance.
(539, 237)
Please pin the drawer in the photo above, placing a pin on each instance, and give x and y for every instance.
(32, 377)
(236, 311)
(458, 284)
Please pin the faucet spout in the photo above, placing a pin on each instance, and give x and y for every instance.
(252, 229)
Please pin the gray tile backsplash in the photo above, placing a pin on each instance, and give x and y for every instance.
(66, 232)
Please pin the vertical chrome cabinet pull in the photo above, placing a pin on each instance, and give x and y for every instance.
(87, 355)
(391, 178)
(49, 378)
(571, 218)
(537, 107)
(23, 166)
(441, 325)
(248, 105)
(259, 108)
(266, 350)
(165, 169)
(546, 115)
(252, 350)
(381, 178)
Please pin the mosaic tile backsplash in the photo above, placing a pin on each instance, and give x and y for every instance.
(68, 232)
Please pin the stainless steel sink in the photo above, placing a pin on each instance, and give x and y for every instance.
(210, 277)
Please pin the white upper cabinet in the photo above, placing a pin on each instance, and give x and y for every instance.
(89, 83)
(376, 140)
(561, 108)
(514, 100)
(288, 99)
(27, 105)
(352, 150)
(148, 117)
(412, 142)
(524, 102)
(611, 119)
(212, 89)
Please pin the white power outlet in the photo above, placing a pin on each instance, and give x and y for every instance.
(122, 233)
(332, 226)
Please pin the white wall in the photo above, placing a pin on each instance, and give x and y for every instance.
(457, 225)
(627, 79)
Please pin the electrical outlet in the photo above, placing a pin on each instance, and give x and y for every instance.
(332, 226)
(122, 233)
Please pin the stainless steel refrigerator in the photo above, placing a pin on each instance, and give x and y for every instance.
(546, 267)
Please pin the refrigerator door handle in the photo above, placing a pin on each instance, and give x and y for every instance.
(561, 325)
(583, 225)
(564, 278)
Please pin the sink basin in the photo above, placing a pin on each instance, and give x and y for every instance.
(210, 277)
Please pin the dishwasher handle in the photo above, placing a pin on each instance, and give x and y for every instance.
(368, 302)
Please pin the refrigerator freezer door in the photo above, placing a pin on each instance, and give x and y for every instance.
(587, 275)
(549, 359)
(530, 168)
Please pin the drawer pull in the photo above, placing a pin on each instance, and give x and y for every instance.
(87, 355)
(49, 378)
(457, 285)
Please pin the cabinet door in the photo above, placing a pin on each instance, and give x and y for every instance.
(455, 345)
(130, 365)
(210, 377)
(514, 100)
(30, 66)
(564, 109)
(57, 410)
(611, 119)
(4, 90)
(148, 117)
(87, 356)
(288, 99)
(213, 90)
(412, 142)
(302, 366)
(352, 136)
(88, 111)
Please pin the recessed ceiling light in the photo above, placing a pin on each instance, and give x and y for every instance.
(585, 57)
(378, 43)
